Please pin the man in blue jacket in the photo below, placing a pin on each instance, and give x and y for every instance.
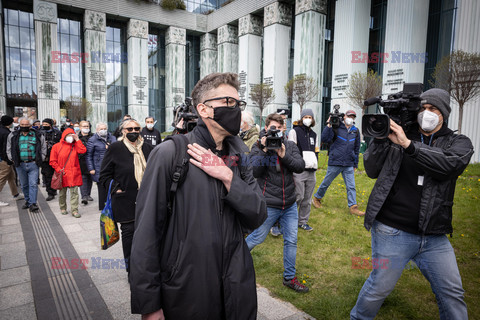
(343, 158)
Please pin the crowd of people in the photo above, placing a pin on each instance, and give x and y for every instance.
(191, 208)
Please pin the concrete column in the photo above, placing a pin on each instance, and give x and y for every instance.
(175, 41)
(137, 75)
(405, 49)
(352, 22)
(250, 56)
(94, 24)
(3, 102)
(276, 51)
(310, 21)
(208, 54)
(45, 17)
(227, 49)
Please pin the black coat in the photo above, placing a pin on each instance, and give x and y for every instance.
(82, 158)
(442, 162)
(275, 175)
(195, 264)
(118, 165)
(4, 132)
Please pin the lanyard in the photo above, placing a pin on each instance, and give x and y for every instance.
(431, 137)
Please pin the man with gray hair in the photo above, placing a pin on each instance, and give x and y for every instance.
(149, 133)
(27, 150)
(249, 132)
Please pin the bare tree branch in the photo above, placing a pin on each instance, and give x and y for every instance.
(77, 108)
(262, 95)
(363, 85)
(301, 89)
(459, 74)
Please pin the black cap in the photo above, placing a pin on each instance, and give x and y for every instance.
(48, 120)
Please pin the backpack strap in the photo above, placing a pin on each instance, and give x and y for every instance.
(180, 165)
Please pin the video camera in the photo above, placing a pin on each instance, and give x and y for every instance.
(185, 111)
(274, 141)
(401, 107)
(336, 116)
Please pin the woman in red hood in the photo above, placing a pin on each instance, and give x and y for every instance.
(65, 154)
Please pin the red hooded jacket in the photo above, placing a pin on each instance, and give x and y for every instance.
(59, 155)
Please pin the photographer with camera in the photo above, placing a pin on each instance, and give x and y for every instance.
(409, 211)
(189, 259)
(344, 140)
(274, 161)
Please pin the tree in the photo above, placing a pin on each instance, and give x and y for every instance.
(77, 108)
(459, 74)
(361, 86)
(173, 4)
(262, 95)
(301, 89)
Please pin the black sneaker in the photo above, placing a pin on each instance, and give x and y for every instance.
(84, 201)
(33, 207)
(26, 206)
(305, 227)
(295, 285)
(50, 197)
(89, 198)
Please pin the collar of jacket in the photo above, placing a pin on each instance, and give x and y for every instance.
(232, 144)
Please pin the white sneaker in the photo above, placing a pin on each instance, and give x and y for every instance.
(18, 197)
(3, 204)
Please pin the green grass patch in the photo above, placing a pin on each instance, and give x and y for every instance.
(324, 256)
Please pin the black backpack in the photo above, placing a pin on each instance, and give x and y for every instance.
(181, 165)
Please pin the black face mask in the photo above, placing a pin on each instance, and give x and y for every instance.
(228, 118)
(24, 129)
(47, 128)
(132, 136)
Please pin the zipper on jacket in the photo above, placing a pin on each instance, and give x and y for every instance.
(283, 184)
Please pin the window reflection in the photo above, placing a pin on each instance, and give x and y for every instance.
(116, 77)
(156, 79)
(71, 75)
(19, 54)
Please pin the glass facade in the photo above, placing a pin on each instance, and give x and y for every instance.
(192, 63)
(116, 76)
(20, 66)
(70, 69)
(328, 64)
(441, 19)
(204, 6)
(156, 78)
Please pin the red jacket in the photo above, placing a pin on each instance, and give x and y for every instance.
(72, 176)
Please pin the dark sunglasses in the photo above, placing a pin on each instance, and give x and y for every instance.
(230, 102)
(132, 128)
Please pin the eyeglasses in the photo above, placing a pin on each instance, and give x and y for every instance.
(230, 102)
(132, 128)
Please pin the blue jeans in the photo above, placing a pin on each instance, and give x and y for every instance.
(28, 175)
(349, 178)
(433, 255)
(288, 219)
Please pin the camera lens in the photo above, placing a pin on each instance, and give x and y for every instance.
(376, 125)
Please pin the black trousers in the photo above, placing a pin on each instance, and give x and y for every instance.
(47, 172)
(102, 196)
(127, 238)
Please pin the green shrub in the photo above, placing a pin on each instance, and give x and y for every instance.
(173, 4)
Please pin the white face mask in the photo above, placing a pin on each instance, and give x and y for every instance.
(428, 120)
(67, 123)
(307, 122)
(348, 121)
(85, 130)
(69, 139)
(102, 133)
(150, 126)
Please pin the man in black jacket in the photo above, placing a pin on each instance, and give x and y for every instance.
(149, 133)
(409, 210)
(193, 263)
(51, 136)
(274, 172)
(6, 170)
(26, 148)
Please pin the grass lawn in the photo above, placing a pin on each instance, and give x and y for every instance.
(324, 256)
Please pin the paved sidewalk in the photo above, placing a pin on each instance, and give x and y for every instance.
(51, 267)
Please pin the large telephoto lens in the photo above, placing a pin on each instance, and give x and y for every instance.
(376, 125)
